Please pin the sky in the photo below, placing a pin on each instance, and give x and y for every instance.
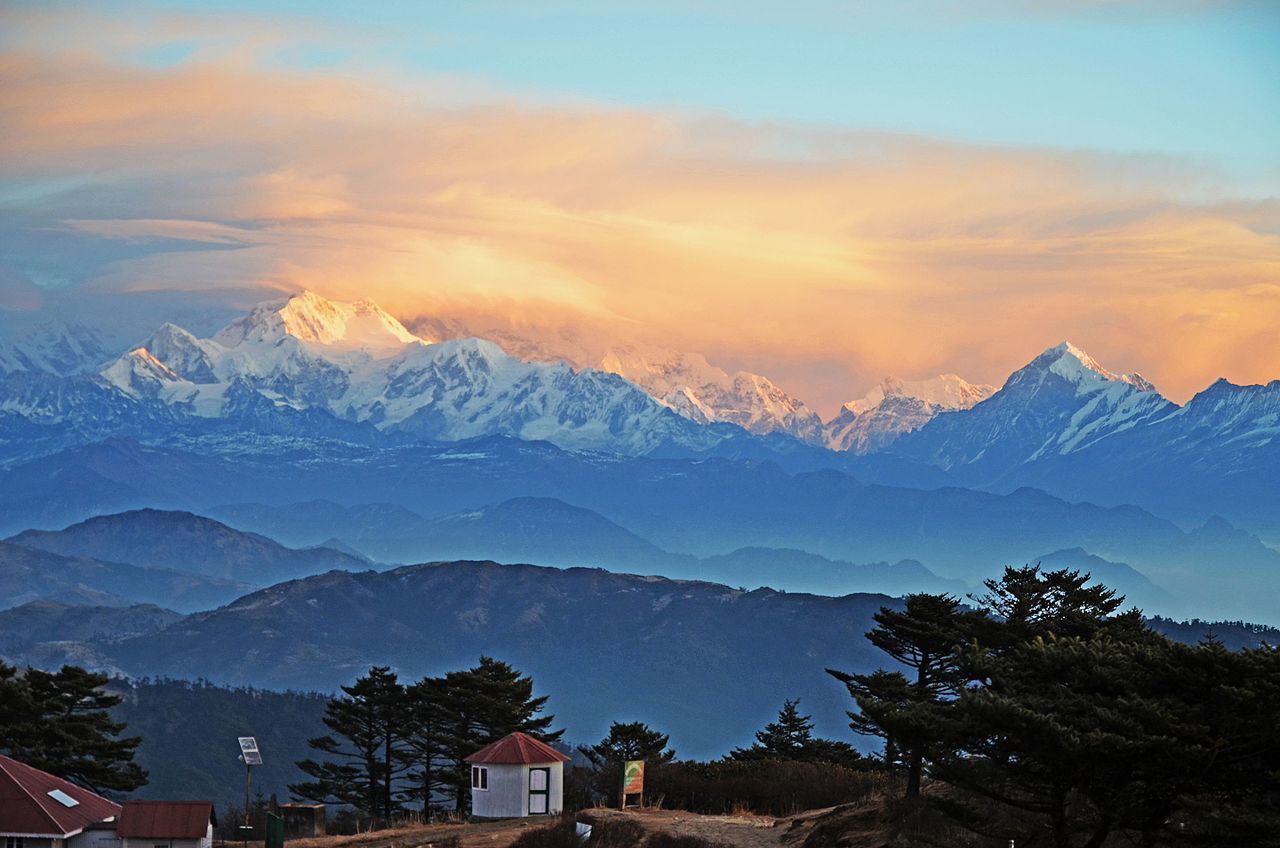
(824, 193)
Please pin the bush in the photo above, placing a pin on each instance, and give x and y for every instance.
(770, 787)
(666, 840)
(607, 833)
(561, 834)
(616, 833)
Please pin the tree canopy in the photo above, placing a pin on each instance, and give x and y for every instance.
(1049, 713)
(59, 722)
(393, 745)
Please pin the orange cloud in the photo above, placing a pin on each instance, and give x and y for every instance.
(823, 259)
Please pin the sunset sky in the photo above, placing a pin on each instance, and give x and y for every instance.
(824, 193)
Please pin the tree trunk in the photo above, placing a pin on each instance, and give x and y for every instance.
(915, 766)
(1058, 818)
(1100, 834)
(914, 770)
(386, 777)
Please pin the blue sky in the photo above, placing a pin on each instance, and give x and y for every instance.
(1197, 80)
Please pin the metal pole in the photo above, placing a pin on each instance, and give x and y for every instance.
(248, 779)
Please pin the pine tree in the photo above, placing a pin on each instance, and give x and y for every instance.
(791, 738)
(369, 756)
(626, 741)
(481, 705)
(60, 722)
(1026, 602)
(788, 738)
(630, 741)
(906, 711)
(425, 741)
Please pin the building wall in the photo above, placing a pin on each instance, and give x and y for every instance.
(206, 842)
(508, 793)
(34, 842)
(505, 797)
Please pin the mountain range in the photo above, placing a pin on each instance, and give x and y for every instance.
(304, 399)
(705, 662)
(515, 500)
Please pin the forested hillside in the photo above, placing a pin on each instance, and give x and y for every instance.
(189, 735)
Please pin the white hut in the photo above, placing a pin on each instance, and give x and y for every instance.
(517, 776)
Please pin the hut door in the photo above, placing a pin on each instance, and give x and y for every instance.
(539, 791)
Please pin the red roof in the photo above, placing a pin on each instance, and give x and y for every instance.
(517, 748)
(165, 819)
(27, 808)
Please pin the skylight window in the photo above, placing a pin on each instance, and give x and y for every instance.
(63, 798)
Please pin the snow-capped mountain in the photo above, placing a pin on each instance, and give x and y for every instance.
(53, 347)
(361, 326)
(894, 407)
(358, 364)
(700, 391)
(1219, 454)
(684, 382)
(1061, 402)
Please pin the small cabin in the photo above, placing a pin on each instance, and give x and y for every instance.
(303, 820)
(517, 776)
(40, 810)
(166, 824)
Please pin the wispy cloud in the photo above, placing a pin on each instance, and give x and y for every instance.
(824, 258)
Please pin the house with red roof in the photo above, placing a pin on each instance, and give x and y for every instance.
(39, 810)
(166, 824)
(517, 776)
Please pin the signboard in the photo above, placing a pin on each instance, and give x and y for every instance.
(249, 751)
(633, 777)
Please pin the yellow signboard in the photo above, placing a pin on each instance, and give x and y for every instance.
(633, 777)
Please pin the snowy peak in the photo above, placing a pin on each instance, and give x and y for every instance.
(946, 391)
(1077, 367)
(310, 318)
(138, 373)
(182, 353)
(702, 392)
(53, 347)
(895, 407)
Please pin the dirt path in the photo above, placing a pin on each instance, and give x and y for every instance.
(496, 834)
(740, 831)
(744, 830)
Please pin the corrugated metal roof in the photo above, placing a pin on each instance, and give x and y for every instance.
(28, 809)
(165, 819)
(517, 748)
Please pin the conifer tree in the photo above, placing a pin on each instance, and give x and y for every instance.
(907, 710)
(368, 757)
(425, 726)
(481, 705)
(630, 741)
(791, 738)
(60, 722)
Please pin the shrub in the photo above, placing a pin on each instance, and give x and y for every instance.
(772, 787)
(667, 840)
(616, 833)
(605, 833)
(562, 834)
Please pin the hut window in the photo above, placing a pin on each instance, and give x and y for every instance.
(13, 842)
(479, 777)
